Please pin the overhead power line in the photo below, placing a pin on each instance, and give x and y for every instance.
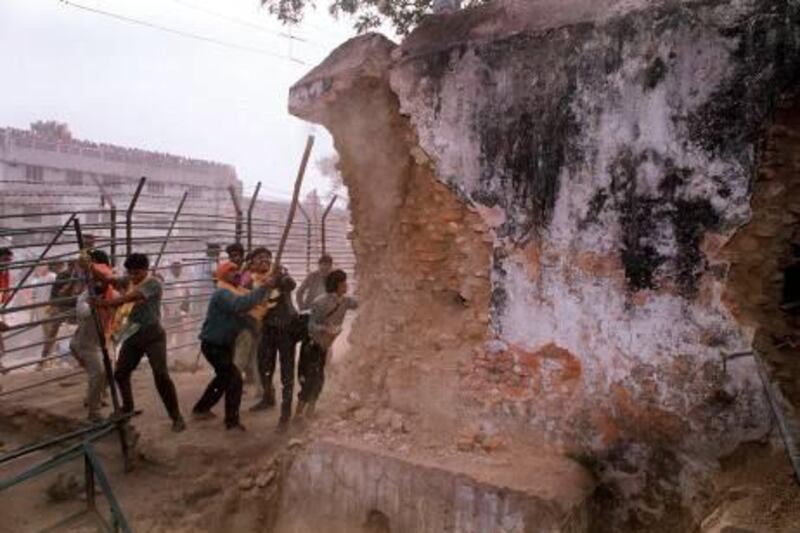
(246, 23)
(181, 33)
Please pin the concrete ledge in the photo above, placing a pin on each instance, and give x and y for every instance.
(336, 486)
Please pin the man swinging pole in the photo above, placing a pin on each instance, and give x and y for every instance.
(279, 338)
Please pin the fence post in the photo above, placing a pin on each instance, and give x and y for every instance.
(238, 208)
(108, 369)
(113, 236)
(88, 476)
(42, 255)
(324, 218)
(171, 227)
(250, 217)
(105, 198)
(308, 237)
(129, 217)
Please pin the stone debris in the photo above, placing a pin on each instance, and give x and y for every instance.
(265, 478)
(67, 486)
(247, 482)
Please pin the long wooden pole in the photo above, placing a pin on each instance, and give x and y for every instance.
(298, 182)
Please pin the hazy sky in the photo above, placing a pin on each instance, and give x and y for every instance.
(127, 84)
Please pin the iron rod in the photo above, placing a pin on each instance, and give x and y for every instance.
(171, 227)
(250, 217)
(323, 222)
(41, 255)
(237, 206)
(129, 216)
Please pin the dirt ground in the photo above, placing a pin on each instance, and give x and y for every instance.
(192, 481)
(209, 479)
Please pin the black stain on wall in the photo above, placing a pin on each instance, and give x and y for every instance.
(767, 64)
(654, 74)
(645, 219)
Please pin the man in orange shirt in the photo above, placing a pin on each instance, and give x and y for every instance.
(85, 345)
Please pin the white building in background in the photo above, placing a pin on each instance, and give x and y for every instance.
(50, 172)
(46, 174)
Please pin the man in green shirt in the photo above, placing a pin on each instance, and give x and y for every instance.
(146, 337)
(324, 325)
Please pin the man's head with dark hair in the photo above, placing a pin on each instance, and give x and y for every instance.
(260, 259)
(325, 264)
(212, 250)
(99, 257)
(336, 282)
(89, 240)
(235, 253)
(137, 266)
(261, 250)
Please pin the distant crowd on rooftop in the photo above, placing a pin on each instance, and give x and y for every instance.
(68, 144)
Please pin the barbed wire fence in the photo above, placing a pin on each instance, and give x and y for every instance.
(184, 245)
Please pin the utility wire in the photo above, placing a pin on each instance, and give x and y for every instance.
(244, 22)
(181, 33)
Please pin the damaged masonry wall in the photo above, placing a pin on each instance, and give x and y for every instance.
(541, 193)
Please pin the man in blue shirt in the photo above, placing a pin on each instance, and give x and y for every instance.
(224, 321)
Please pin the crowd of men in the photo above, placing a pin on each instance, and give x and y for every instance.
(252, 327)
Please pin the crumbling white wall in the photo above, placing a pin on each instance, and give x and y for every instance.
(609, 149)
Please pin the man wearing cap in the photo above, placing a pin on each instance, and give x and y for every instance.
(224, 320)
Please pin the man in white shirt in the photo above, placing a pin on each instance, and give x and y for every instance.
(42, 282)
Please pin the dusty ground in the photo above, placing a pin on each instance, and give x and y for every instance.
(183, 482)
(208, 479)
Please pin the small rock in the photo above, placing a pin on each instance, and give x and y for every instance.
(65, 487)
(265, 478)
(246, 483)
(354, 397)
(465, 444)
(398, 425)
(383, 418)
(296, 443)
(492, 443)
(363, 414)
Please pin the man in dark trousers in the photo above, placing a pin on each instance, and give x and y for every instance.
(324, 325)
(143, 335)
(224, 321)
(278, 340)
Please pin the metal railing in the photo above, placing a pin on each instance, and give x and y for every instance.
(184, 244)
(187, 235)
(94, 474)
